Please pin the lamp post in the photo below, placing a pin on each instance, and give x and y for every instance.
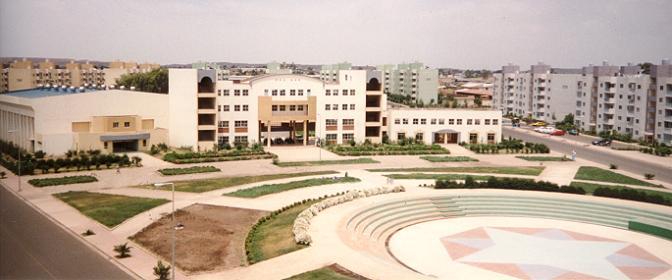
(172, 260)
(317, 137)
(19, 161)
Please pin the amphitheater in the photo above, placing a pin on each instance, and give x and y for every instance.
(496, 234)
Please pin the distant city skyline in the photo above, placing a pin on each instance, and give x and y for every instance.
(441, 34)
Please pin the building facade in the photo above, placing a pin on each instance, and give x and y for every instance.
(412, 79)
(622, 99)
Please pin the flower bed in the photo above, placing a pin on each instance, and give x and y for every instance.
(509, 146)
(188, 170)
(213, 156)
(387, 149)
(62, 181)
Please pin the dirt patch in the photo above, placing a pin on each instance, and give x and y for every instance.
(345, 272)
(213, 237)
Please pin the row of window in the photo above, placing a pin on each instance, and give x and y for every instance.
(450, 121)
(116, 124)
(334, 92)
(236, 92)
(236, 140)
(332, 137)
(275, 108)
(334, 107)
(283, 92)
(236, 108)
(334, 122)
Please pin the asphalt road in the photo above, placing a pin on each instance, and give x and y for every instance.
(595, 154)
(33, 247)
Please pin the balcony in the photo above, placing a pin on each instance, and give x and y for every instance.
(610, 111)
(611, 100)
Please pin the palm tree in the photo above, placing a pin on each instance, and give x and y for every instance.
(123, 250)
(137, 160)
(161, 271)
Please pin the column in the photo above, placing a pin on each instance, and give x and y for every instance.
(268, 134)
(305, 132)
(445, 138)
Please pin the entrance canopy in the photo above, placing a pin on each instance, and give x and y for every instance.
(446, 130)
(124, 137)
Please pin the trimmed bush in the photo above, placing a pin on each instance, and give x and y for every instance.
(403, 147)
(631, 194)
(188, 170)
(507, 183)
(67, 180)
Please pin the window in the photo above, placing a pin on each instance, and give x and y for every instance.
(335, 107)
(344, 92)
(300, 92)
(473, 138)
(344, 107)
(418, 136)
(469, 121)
(459, 121)
(397, 121)
(240, 140)
(405, 121)
(283, 107)
(246, 108)
(245, 92)
(477, 121)
(352, 92)
(292, 92)
(401, 136)
(236, 108)
(331, 122)
(308, 91)
(282, 92)
(432, 121)
(442, 121)
(219, 108)
(487, 121)
(223, 124)
(223, 140)
(348, 121)
(236, 92)
(274, 92)
(352, 106)
(331, 138)
(225, 92)
(415, 121)
(292, 107)
(115, 124)
(240, 123)
(423, 121)
(225, 108)
(327, 107)
(327, 92)
(274, 107)
(127, 124)
(495, 121)
(219, 92)
(299, 107)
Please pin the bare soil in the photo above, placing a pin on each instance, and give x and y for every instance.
(213, 237)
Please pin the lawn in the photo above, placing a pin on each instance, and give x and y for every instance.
(274, 236)
(326, 162)
(447, 158)
(591, 173)
(422, 176)
(591, 187)
(199, 186)
(108, 209)
(543, 158)
(332, 272)
(276, 188)
(188, 170)
(67, 180)
(525, 170)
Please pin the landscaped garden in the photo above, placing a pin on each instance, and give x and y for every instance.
(543, 158)
(325, 162)
(448, 158)
(108, 209)
(509, 146)
(226, 153)
(62, 181)
(332, 272)
(276, 188)
(592, 173)
(188, 170)
(405, 147)
(205, 185)
(522, 170)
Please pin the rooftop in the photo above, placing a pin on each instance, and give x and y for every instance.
(44, 92)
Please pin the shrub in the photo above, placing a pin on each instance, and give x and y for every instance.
(508, 183)
(188, 170)
(3, 174)
(62, 181)
(613, 166)
(88, 232)
(161, 271)
(123, 250)
(631, 194)
(649, 176)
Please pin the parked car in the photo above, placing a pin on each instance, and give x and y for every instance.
(573, 131)
(538, 124)
(545, 130)
(602, 142)
(558, 132)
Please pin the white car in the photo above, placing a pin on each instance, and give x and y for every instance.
(547, 130)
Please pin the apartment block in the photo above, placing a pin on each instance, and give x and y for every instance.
(622, 99)
(412, 79)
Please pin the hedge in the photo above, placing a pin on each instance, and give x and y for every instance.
(510, 145)
(632, 194)
(407, 147)
(507, 183)
(67, 180)
(188, 170)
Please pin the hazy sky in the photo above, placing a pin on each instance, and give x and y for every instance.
(461, 34)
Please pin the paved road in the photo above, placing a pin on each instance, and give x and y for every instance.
(595, 154)
(32, 247)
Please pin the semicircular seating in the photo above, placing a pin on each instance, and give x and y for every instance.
(382, 220)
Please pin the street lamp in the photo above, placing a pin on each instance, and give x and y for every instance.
(175, 227)
(19, 165)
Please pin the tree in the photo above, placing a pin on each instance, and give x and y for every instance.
(454, 104)
(137, 160)
(123, 250)
(153, 81)
(3, 174)
(161, 271)
(477, 101)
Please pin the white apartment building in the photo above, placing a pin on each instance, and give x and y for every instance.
(434, 125)
(412, 79)
(602, 98)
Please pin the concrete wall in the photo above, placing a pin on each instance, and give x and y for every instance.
(182, 108)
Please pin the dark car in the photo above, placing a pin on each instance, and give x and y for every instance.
(602, 142)
(573, 132)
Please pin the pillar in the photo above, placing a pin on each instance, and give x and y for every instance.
(445, 138)
(305, 132)
(268, 134)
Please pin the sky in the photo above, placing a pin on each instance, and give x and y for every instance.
(456, 34)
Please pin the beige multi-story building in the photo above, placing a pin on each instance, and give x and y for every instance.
(622, 99)
(23, 74)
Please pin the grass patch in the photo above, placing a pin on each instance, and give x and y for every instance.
(326, 162)
(425, 176)
(543, 158)
(447, 158)
(108, 209)
(67, 180)
(273, 237)
(188, 170)
(199, 186)
(276, 188)
(591, 173)
(526, 170)
(591, 187)
(332, 272)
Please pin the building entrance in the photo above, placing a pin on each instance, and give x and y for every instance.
(125, 146)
